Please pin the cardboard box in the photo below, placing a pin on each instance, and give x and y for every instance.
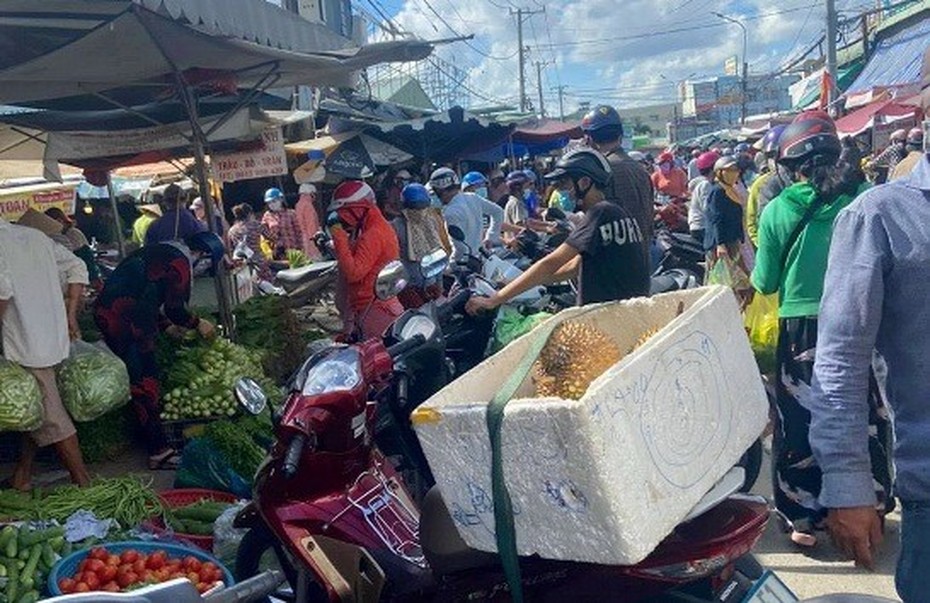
(605, 478)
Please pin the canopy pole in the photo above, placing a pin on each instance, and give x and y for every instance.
(114, 207)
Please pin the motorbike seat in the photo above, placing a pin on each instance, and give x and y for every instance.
(310, 271)
(444, 549)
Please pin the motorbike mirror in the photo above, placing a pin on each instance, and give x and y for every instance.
(391, 280)
(434, 263)
(456, 233)
(250, 395)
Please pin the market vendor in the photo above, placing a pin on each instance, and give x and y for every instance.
(37, 325)
(149, 291)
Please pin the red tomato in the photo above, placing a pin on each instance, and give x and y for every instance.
(113, 560)
(194, 577)
(98, 553)
(129, 556)
(92, 581)
(82, 566)
(81, 587)
(111, 587)
(173, 567)
(138, 566)
(156, 560)
(94, 565)
(107, 573)
(66, 585)
(203, 587)
(126, 579)
(162, 575)
(192, 564)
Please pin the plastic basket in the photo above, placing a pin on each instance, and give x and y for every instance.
(174, 499)
(67, 567)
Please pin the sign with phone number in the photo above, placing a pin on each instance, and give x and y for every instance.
(14, 204)
(267, 160)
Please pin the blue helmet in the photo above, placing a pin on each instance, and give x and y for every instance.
(770, 140)
(473, 179)
(415, 196)
(602, 123)
(530, 176)
(273, 194)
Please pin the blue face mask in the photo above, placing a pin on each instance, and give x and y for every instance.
(482, 191)
(434, 200)
(566, 201)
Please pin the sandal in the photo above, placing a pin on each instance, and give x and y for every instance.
(803, 539)
(168, 460)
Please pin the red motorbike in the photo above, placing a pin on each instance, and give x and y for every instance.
(340, 521)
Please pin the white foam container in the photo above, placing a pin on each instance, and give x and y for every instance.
(604, 479)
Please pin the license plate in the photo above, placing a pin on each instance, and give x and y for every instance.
(770, 589)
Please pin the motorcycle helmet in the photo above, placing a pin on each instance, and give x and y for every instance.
(741, 148)
(473, 179)
(665, 157)
(415, 196)
(530, 176)
(770, 140)
(352, 192)
(915, 138)
(210, 244)
(724, 163)
(582, 162)
(707, 160)
(442, 179)
(899, 135)
(636, 156)
(517, 177)
(602, 124)
(810, 137)
(274, 194)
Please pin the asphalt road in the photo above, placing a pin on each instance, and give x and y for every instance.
(820, 570)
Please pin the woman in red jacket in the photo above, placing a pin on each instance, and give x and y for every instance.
(363, 243)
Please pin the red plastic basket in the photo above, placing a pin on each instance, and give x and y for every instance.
(174, 499)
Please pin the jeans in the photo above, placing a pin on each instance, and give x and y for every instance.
(912, 578)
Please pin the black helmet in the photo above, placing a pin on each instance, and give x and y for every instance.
(602, 123)
(811, 136)
(582, 162)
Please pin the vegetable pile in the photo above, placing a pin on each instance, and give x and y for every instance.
(106, 438)
(20, 399)
(92, 382)
(26, 557)
(296, 258)
(196, 519)
(200, 382)
(238, 445)
(103, 570)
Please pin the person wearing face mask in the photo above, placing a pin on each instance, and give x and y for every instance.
(468, 209)
(669, 179)
(307, 219)
(421, 230)
(148, 293)
(604, 253)
(280, 225)
(363, 242)
(629, 185)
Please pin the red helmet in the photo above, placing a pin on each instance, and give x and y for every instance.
(352, 192)
(665, 156)
(812, 133)
(706, 160)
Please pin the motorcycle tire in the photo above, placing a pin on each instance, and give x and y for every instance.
(255, 544)
(751, 462)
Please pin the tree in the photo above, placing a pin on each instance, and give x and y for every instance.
(640, 128)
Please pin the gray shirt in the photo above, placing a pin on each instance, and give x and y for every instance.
(876, 294)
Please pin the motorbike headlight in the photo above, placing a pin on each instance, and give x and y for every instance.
(338, 371)
(418, 324)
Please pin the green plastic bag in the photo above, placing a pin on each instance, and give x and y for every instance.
(204, 466)
(511, 324)
(92, 382)
(761, 320)
(20, 399)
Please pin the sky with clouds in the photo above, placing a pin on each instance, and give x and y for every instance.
(622, 52)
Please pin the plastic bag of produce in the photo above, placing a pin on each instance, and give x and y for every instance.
(204, 466)
(511, 324)
(20, 399)
(92, 381)
(226, 537)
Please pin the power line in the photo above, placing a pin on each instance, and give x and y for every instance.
(467, 43)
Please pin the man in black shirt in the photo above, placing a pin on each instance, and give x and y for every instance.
(604, 252)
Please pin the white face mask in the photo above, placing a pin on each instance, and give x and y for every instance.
(482, 191)
(275, 205)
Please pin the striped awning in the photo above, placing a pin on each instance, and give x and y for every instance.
(895, 60)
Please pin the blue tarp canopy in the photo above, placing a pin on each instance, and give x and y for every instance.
(895, 60)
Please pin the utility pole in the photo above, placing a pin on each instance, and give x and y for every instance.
(561, 91)
(539, 87)
(831, 50)
(522, 14)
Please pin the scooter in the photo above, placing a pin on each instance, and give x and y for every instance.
(343, 526)
(182, 591)
(300, 285)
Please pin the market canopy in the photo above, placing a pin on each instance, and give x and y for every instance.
(58, 49)
(884, 111)
(351, 154)
(546, 131)
(895, 60)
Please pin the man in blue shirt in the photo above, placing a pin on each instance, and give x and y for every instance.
(177, 223)
(875, 296)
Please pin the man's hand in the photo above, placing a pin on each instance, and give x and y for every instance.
(74, 331)
(857, 532)
(478, 304)
(175, 332)
(206, 329)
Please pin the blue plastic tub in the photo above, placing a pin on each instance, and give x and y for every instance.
(67, 567)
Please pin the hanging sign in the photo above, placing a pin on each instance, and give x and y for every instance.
(266, 160)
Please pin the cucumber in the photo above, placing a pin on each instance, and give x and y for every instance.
(34, 537)
(31, 597)
(12, 548)
(197, 528)
(48, 555)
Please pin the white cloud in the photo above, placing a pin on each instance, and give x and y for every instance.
(613, 51)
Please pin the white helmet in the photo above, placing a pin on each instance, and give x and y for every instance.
(443, 178)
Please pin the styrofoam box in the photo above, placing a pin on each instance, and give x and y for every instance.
(604, 479)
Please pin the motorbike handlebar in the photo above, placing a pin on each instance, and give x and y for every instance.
(406, 345)
(452, 306)
(294, 452)
(252, 589)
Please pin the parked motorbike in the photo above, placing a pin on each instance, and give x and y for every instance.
(343, 525)
(182, 590)
(300, 285)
